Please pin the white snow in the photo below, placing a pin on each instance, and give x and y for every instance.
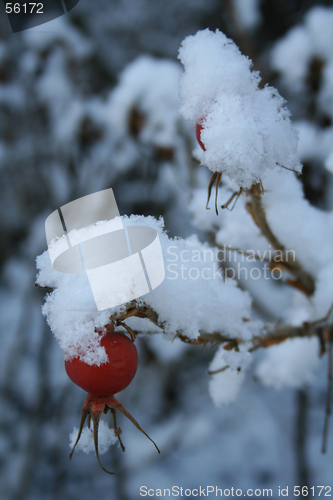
(329, 162)
(247, 13)
(194, 282)
(246, 130)
(106, 439)
(292, 54)
(292, 363)
(151, 86)
(298, 225)
(224, 386)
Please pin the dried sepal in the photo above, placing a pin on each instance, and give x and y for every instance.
(92, 410)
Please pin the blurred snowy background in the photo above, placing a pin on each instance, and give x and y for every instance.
(87, 102)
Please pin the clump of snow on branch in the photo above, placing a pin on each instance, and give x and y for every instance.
(291, 364)
(194, 282)
(304, 52)
(298, 225)
(55, 87)
(151, 86)
(106, 439)
(292, 54)
(246, 130)
(224, 386)
(314, 143)
(307, 233)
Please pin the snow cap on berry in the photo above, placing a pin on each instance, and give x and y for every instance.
(246, 130)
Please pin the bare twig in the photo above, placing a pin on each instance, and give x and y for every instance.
(45, 288)
(219, 370)
(290, 169)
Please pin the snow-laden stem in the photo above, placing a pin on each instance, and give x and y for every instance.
(303, 280)
(271, 335)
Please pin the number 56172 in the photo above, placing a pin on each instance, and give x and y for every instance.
(26, 8)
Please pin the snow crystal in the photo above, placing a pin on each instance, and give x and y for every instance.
(194, 282)
(290, 364)
(224, 386)
(246, 130)
(106, 439)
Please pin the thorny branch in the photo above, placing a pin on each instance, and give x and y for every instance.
(271, 335)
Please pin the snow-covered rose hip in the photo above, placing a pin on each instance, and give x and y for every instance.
(103, 381)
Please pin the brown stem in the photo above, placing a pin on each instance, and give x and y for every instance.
(303, 280)
(273, 335)
(128, 329)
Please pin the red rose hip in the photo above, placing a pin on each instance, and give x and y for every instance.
(103, 381)
(111, 377)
